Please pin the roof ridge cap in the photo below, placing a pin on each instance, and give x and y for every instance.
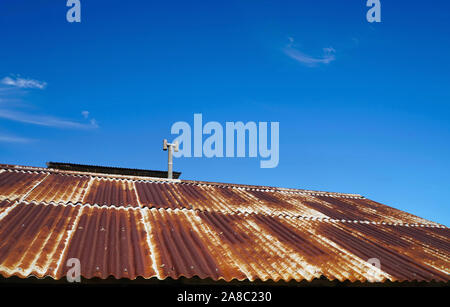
(196, 182)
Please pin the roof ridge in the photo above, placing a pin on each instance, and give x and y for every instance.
(179, 181)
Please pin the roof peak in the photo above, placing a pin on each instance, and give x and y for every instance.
(165, 179)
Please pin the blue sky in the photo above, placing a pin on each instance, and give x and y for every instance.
(363, 108)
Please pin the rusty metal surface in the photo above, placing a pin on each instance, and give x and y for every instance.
(110, 242)
(16, 184)
(4, 205)
(161, 229)
(44, 187)
(65, 187)
(402, 257)
(111, 193)
(32, 239)
(38, 239)
(274, 202)
(60, 188)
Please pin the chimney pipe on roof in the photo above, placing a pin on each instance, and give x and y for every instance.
(169, 147)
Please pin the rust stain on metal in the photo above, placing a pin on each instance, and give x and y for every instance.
(161, 229)
(32, 238)
(4, 204)
(60, 188)
(111, 193)
(15, 184)
(181, 250)
(110, 242)
(386, 213)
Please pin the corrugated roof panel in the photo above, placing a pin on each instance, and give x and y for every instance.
(32, 238)
(126, 243)
(351, 209)
(249, 249)
(4, 205)
(110, 242)
(229, 199)
(217, 198)
(402, 263)
(238, 246)
(302, 241)
(386, 213)
(161, 194)
(180, 250)
(60, 188)
(111, 193)
(207, 230)
(16, 184)
(421, 251)
(255, 201)
(329, 207)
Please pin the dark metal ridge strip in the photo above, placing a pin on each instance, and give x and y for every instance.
(110, 170)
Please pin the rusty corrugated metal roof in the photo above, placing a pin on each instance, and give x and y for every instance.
(128, 227)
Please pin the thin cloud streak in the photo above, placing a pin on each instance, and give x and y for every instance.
(23, 83)
(14, 139)
(11, 89)
(43, 120)
(308, 60)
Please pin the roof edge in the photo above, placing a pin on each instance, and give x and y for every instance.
(212, 183)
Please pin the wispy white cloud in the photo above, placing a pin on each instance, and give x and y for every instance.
(23, 83)
(94, 123)
(45, 120)
(328, 55)
(10, 106)
(14, 139)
